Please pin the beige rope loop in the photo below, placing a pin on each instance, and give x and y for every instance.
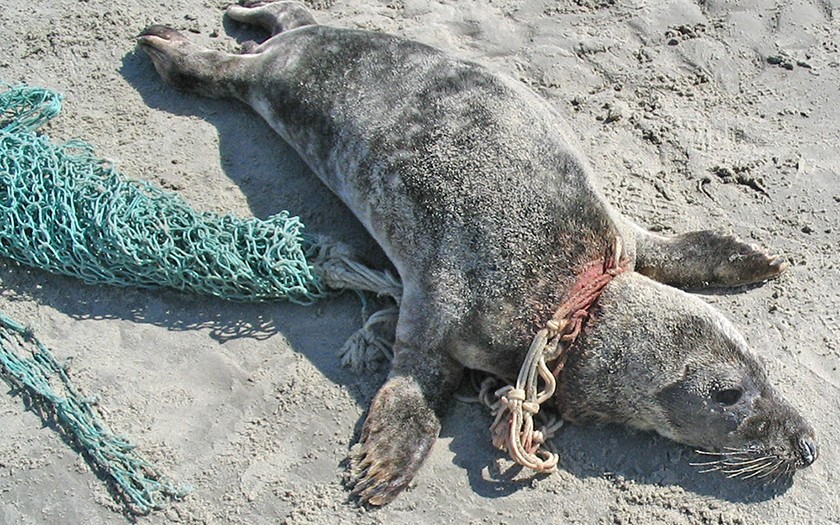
(513, 428)
(487, 393)
(341, 271)
(371, 344)
(548, 378)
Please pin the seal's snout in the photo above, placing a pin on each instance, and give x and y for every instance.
(808, 450)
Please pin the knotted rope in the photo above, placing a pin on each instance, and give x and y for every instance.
(513, 429)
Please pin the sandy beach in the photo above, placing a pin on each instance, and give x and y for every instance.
(706, 114)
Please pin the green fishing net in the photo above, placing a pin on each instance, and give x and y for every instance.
(64, 210)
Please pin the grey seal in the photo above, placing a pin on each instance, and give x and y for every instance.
(475, 191)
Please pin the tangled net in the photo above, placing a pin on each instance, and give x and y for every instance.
(64, 210)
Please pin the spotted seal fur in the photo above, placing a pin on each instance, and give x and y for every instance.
(473, 188)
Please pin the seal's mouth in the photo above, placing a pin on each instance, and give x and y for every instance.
(755, 462)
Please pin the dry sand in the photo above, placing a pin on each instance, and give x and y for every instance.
(720, 114)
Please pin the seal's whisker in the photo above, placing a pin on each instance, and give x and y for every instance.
(733, 474)
(755, 463)
(768, 469)
(730, 454)
(746, 469)
(789, 468)
(744, 463)
(751, 475)
(710, 453)
(770, 462)
(708, 463)
(779, 474)
(745, 450)
(775, 470)
(770, 465)
(734, 464)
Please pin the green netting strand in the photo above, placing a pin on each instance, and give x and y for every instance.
(65, 210)
(28, 364)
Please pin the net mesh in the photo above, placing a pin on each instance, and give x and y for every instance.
(64, 210)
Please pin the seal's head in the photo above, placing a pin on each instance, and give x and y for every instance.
(656, 358)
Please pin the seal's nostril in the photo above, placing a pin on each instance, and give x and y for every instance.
(808, 450)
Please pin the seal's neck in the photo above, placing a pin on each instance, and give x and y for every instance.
(569, 319)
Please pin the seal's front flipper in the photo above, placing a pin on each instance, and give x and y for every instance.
(401, 427)
(704, 259)
(397, 436)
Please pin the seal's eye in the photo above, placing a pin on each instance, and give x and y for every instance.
(728, 397)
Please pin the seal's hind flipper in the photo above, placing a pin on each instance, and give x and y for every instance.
(704, 259)
(402, 425)
(275, 17)
(190, 67)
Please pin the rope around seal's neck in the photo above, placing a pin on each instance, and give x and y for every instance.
(513, 429)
